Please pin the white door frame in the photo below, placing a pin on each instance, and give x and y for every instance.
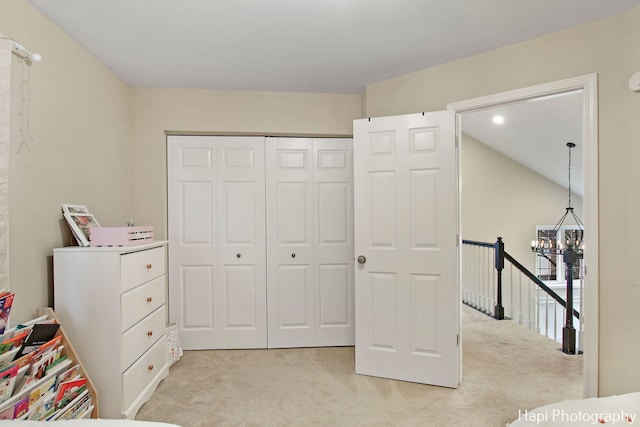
(589, 85)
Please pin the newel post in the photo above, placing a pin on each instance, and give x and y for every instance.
(499, 263)
(570, 258)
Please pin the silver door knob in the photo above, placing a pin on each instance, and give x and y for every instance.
(362, 259)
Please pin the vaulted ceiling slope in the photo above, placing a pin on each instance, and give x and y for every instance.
(334, 46)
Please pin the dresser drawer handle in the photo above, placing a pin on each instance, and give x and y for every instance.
(149, 299)
(149, 266)
(149, 333)
(150, 368)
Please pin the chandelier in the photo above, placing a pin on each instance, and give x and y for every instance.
(573, 240)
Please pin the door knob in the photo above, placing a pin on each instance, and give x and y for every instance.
(362, 259)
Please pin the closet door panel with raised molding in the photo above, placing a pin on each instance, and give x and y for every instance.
(309, 242)
(241, 242)
(217, 271)
(334, 275)
(290, 272)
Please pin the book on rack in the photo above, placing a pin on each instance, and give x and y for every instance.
(7, 382)
(68, 391)
(38, 381)
(6, 302)
(17, 337)
(39, 335)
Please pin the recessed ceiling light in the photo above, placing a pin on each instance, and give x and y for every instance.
(498, 120)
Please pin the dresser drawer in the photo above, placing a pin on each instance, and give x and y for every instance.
(140, 337)
(139, 267)
(141, 301)
(136, 378)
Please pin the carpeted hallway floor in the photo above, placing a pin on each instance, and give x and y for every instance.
(507, 369)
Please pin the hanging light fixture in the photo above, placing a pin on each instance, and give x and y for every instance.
(554, 244)
(571, 247)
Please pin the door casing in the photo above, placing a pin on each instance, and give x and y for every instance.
(589, 85)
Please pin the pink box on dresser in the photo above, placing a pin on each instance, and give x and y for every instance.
(120, 236)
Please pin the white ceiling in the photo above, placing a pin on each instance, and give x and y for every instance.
(535, 134)
(335, 46)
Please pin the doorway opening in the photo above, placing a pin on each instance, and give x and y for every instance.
(586, 86)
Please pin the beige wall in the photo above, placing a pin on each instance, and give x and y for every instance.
(610, 48)
(160, 111)
(500, 197)
(80, 120)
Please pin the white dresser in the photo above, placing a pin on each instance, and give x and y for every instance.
(111, 302)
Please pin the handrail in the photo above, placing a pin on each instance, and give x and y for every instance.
(478, 243)
(539, 282)
(524, 271)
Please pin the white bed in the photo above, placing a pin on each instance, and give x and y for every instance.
(622, 410)
(87, 423)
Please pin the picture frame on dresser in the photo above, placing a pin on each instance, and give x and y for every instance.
(74, 209)
(80, 224)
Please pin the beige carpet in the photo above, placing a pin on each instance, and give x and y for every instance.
(507, 368)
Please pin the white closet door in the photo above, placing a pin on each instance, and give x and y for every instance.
(216, 212)
(193, 245)
(291, 286)
(241, 243)
(333, 237)
(310, 242)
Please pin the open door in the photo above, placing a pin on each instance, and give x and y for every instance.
(407, 248)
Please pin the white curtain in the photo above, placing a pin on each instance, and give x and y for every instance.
(5, 144)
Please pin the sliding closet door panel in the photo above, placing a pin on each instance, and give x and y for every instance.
(242, 294)
(333, 237)
(193, 250)
(290, 272)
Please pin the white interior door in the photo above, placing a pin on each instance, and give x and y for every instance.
(406, 231)
(217, 286)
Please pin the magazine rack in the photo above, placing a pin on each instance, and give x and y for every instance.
(71, 354)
